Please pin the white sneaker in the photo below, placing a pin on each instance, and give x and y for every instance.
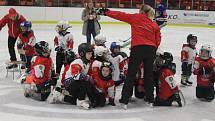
(55, 97)
(83, 103)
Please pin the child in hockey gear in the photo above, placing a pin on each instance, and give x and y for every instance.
(25, 44)
(160, 14)
(75, 78)
(118, 59)
(168, 90)
(204, 68)
(62, 42)
(188, 55)
(13, 20)
(37, 84)
(104, 85)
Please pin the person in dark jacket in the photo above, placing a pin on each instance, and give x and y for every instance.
(145, 39)
(13, 21)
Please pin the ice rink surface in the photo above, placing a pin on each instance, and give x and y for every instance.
(15, 107)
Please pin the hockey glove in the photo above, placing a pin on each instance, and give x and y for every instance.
(101, 11)
(59, 49)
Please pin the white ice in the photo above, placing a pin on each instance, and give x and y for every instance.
(15, 107)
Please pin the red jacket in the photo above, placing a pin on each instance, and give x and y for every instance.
(205, 80)
(13, 26)
(168, 85)
(144, 31)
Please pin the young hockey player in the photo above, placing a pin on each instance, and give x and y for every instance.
(168, 91)
(37, 84)
(76, 80)
(204, 68)
(62, 42)
(160, 14)
(119, 60)
(25, 44)
(188, 55)
(104, 85)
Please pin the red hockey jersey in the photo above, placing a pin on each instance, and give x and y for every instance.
(105, 86)
(41, 69)
(28, 43)
(205, 78)
(167, 85)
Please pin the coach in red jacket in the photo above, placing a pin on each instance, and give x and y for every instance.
(13, 21)
(145, 39)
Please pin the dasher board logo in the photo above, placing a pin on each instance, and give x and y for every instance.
(196, 14)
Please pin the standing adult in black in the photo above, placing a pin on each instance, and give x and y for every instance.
(91, 25)
(145, 39)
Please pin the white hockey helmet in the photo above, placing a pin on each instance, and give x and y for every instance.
(100, 40)
(100, 51)
(205, 48)
(62, 26)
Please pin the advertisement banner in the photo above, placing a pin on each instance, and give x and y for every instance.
(191, 17)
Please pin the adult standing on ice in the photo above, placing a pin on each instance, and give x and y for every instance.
(145, 39)
(91, 24)
(13, 21)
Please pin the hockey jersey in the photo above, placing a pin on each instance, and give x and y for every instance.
(41, 69)
(27, 41)
(188, 54)
(205, 70)
(105, 86)
(75, 68)
(168, 85)
(65, 41)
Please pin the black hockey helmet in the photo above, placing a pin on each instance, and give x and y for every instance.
(191, 37)
(83, 48)
(42, 49)
(167, 57)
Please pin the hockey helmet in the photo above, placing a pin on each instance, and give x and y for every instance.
(26, 26)
(42, 49)
(205, 52)
(83, 48)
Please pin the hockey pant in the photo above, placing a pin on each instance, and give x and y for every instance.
(41, 92)
(168, 102)
(186, 69)
(206, 93)
(79, 90)
(60, 59)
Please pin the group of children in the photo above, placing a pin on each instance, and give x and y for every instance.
(202, 65)
(91, 76)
